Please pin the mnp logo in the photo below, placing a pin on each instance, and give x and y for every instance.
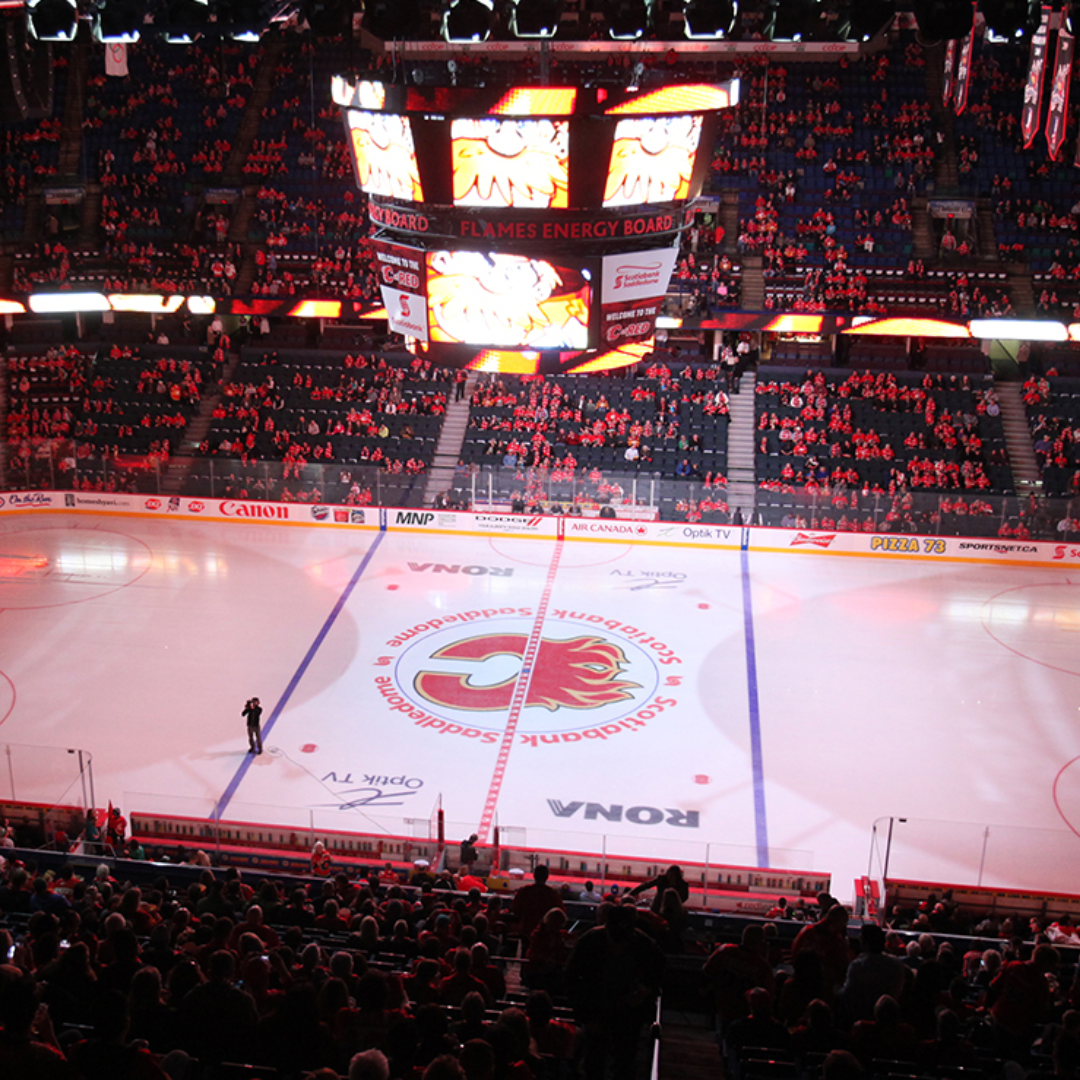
(574, 677)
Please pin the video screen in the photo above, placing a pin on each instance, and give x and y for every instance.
(508, 301)
(652, 160)
(384, 155)
(510, 163)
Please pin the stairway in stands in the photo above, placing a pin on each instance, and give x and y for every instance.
(233, 176)
(729, 219)
(4, 422)
(178, 468)
(688, 1046)
(753, 283)
(1025, 470)
(742, 485)
(448, 449)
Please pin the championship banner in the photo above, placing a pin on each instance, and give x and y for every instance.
(963, 72)
(116, 61)
(1033, 88)
(950, 67)
(1057, 117)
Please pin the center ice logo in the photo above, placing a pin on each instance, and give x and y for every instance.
(573, 673)
(578, 676)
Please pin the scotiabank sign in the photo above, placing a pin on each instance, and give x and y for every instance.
(638, 275)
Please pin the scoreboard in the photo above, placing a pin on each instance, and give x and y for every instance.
(542, 219)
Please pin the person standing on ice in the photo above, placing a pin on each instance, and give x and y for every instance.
(252, 713)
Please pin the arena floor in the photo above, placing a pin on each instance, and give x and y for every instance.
(745, 708)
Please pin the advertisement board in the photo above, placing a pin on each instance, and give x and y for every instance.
(761, 540)
(632, 290)
(402, 273)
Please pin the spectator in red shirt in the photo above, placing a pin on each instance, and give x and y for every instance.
(533, 902)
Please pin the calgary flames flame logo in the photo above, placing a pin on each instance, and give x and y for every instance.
(509, 300)
(572, 673)
(510, 162)
(385, 155)
(652, 160)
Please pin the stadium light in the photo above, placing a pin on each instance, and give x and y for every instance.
(52, 20)
(67, 302)
(942, 20)
(795, 19)
(1018, 330)
(329, 18)
(870, 17)
(117, 22)
(709, 20)
(628, 20)
(245, 20)
(185, 20)
(390, 19)
(1006, 20)
(535, 18)
(467, 20)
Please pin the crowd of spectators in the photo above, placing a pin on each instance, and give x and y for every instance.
(1053, 411)
(874, 433)
(352, 410)
(398, 972)
(379, 972)
(103, 420)
(898, 1003)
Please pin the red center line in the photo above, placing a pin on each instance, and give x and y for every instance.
(517, 702)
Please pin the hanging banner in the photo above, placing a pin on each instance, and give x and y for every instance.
(950, 66)
(1033, 88)
(963, 72)
(116, 62)
(1057, 117)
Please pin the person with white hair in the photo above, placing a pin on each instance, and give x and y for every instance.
(369, 1065)
(320, 860)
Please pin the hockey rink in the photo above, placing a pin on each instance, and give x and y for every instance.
(710, 704)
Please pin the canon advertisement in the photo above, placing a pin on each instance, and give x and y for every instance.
(402, 276)
(631, 294)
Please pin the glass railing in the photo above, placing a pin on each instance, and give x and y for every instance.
(973, 854)
(632, 492)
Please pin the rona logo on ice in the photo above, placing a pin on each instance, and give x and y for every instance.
(579, 673)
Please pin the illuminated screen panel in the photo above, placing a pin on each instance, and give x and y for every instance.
(692, 97)
(536, 101)
(507, 301)
(909, 327)
(365, 94)
(613, 359)
(384, 155)
(510, 163)
(652, 160)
